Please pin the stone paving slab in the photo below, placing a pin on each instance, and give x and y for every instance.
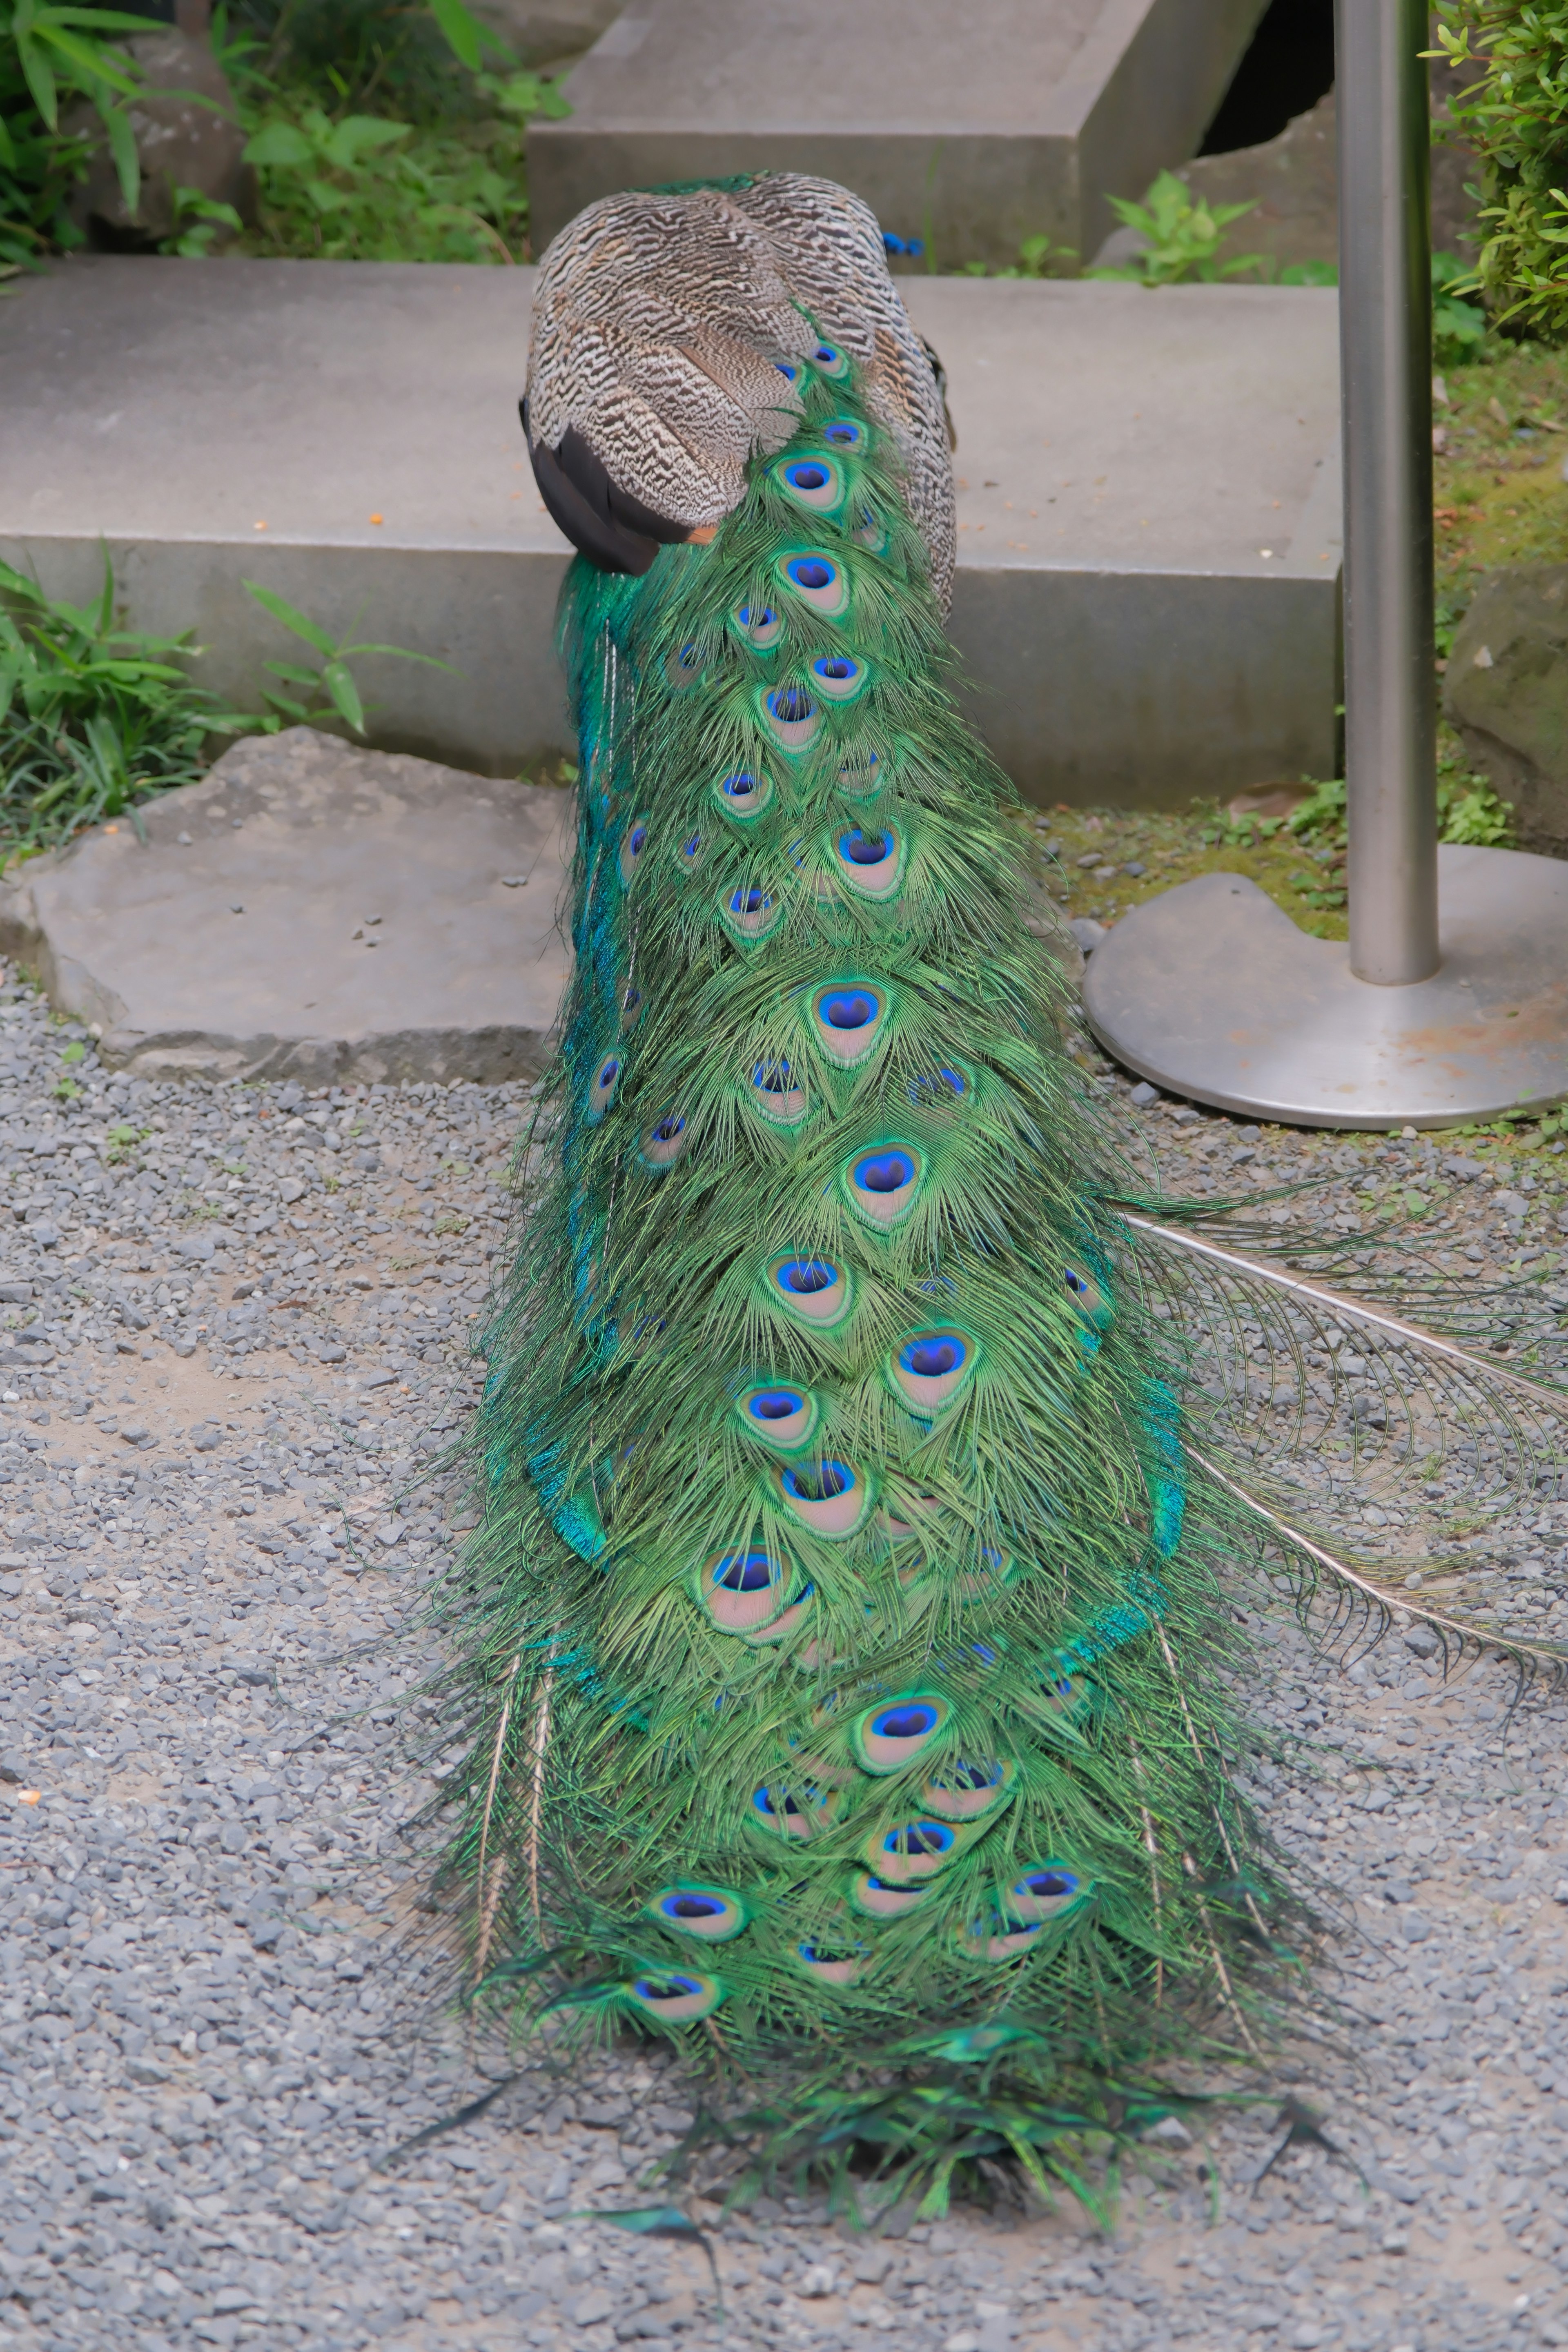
(968, 128)
(314, 911)
(1147, 598)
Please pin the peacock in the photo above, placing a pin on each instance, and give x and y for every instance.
(851, 1632)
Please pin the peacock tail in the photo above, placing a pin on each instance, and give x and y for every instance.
(851, 1626)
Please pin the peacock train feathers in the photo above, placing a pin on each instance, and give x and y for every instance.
(848, 1623)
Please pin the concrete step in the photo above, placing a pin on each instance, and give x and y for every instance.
(1147, 597)
(968, 128)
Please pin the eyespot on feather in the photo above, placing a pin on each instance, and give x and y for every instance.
(674, 1998)
(712, 1913)
(829, 360)
(998, 1938)
(831, 1498)
(1089, 1298)
(791, 716)
(913, 1851)
(742, 795)
(942, 1088)
(811, 479)
(777, 1095)
(633, 846)
(883, 1184)
(828, 1968)
(803, 1812)
(814, 1290)
(896, 1732)
(839, 677)
(663, 1142)
(959, 1792)
(759, 625)
(848, 1017)
(930, 1368)
(1045, 1890)
(777, 1413)
(750, 912)
(870, 863)
(741, 1590)
(817, 580)
(862, 774)
(878, 1898)
(684, 665)
(602, 1089)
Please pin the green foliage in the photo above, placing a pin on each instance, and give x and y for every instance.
(96, 717)
(198, 221)
(50, 55)
(1459, 325)
(460, 198)
(1509, 103)
(1469, 810)
(1182, 238)
(1037, 258)
(92, 718)
(362, 188)
(330, 688)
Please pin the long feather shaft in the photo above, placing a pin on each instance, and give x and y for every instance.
(1348, 1575)
(536, 1795)
(490, 1896)
(1323, 1294)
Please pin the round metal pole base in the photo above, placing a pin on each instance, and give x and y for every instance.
(1213, 992)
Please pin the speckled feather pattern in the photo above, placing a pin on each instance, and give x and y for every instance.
(659, 319)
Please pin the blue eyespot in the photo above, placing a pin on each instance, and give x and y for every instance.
(905, 1722)
(802, 1277)
(859, 849)
(823, 1483)
(813, 571)
(745, 1571)
(806, 473)
(849, 1009)
(739, 788)
(776, 1404)
(885, 1172)
(929, 1359)
(843, 434)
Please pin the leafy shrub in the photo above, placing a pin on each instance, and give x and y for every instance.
(1510, 64)
(1182, 237)
(48, 54)
(94, 718)
(1469, 811)
(1458, 326)
(363, 188)
(1038, 257)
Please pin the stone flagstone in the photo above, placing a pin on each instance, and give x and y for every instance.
(311, 910)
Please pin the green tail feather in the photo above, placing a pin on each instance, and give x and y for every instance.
(848, 1633)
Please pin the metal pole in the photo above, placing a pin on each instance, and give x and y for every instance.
(1385, 391)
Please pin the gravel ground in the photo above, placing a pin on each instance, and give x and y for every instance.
(238, 1324)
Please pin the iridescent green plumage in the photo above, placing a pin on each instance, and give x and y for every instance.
(854, 1648)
